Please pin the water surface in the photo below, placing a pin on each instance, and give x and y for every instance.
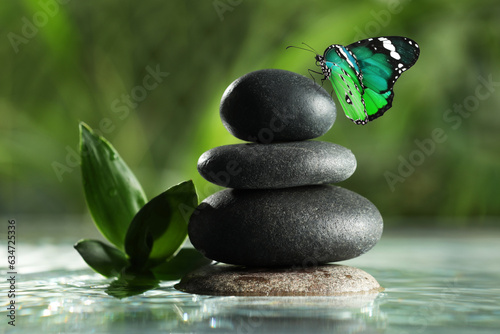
(436, 282)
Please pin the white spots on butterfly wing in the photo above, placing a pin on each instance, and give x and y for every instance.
(347, 98)
(357, 88)
(355, 59)
(395, 55)
(341, 50)
(395, 78)
(400, 65)
(329, 48)
(346, 57)
(389, 46)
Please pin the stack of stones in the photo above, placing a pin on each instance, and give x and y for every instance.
(280, 220)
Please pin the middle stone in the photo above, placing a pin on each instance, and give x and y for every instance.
(276, 166)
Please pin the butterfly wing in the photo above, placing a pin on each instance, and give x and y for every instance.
(343, 72)
(381, 61)
(349, 95)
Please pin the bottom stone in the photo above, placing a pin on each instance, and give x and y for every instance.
(325, 280)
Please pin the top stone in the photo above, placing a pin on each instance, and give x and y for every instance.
(276, 106)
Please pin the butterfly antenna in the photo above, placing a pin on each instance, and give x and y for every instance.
(310, 47)
(298, 47)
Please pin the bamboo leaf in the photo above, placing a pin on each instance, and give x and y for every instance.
(112, 191)
(107, 261)
(160, 228)
(187, 260)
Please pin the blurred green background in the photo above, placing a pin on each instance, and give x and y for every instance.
(65, 61)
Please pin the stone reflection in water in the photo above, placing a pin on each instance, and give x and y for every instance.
(344, 314)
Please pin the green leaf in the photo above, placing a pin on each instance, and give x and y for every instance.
(187, 260)
(130, 284)
(160, 228)
(112, 192)
(107, 261)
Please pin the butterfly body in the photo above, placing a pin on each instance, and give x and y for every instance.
(363, 73)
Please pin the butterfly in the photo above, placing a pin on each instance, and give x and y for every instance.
(363, 73)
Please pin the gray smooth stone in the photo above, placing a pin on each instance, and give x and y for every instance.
(283, 227)
(325, 280)
(279, 165)
(276, 105)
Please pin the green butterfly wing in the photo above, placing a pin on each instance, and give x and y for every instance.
(377, 104)
(381, 61)
(348, 92)
(343, 72)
